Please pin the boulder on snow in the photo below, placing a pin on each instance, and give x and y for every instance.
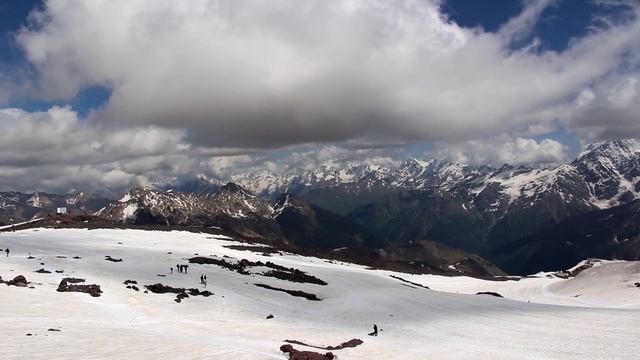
(19, 281)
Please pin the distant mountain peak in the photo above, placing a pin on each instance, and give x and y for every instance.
(233, 188)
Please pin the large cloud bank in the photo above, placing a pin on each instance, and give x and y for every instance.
(190, 79)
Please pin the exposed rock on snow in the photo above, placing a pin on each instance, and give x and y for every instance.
(347, 344)
(19, 281)
(70, 285)
(305, 355)
(296, 293)
(181, 293)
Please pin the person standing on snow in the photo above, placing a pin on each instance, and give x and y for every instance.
(375, 330)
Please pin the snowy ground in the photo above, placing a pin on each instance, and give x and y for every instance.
(594, 316)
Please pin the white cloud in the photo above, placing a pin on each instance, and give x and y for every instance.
(503, 150)
(215, 86)
(57, 151)
(257, 74)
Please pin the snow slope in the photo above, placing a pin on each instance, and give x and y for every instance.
(417, 323)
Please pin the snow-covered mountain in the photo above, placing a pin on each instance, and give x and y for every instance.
(480, 209)
(231, 207)
(291, 221)
(604, 175)
(612, 170)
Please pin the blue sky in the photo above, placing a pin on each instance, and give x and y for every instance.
(559, 23)
(300, 84)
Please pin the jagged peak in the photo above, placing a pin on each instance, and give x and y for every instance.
(606, 148)
(233, 188)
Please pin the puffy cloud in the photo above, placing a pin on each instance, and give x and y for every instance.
(503, 150)
(215, 86)
(57, 151)
(252, 74)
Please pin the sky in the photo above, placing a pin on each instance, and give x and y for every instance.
(103, 95)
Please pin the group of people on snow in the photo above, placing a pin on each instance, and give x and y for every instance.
(184, 269)
(181, 268)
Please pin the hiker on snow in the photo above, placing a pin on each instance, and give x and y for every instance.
(375, 330)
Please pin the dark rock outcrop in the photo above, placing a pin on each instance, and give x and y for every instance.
(490, 293)
(181, 293)
(296, 293)
(71, 285)
(19, 281)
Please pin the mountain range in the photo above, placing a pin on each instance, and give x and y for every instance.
(523, 219)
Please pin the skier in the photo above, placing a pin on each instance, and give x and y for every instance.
(171, 269)
(7, 251)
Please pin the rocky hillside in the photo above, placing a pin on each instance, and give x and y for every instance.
(231, 207)
(17, 207)
(288, 219)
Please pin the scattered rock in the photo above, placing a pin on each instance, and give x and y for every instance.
(278, 271)
(52, 329)
(269, 316)
(181, 293)
(109, 258)
(491, 293)
(43, 271)
(77, 257)
(131, 285)
(161, 275)
(296, 293)
(59, 271)
(61, 257)
(637, 284)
